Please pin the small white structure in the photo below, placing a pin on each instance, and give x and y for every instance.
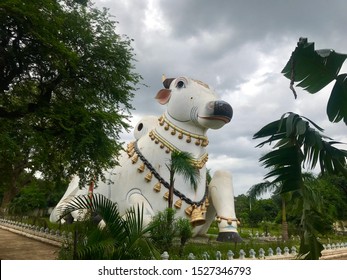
(142, 176)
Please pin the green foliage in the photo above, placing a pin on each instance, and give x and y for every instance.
(38, 194)
(334, 199)
(296, 144)
(65, 90)
(119, 238)
(181, 163)
(253, 212)
(168, 229)
(164, 234)
(315, 69)
(29, 199)
(184, 228)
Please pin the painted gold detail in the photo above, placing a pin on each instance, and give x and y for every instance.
(134, 158)
(199, 163)
(148, 177)
(141, 168)
(189, 210)
(163, 120)
(157, 187)
(178, 204)
(197, 218)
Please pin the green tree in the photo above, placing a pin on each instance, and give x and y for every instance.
(168, 228)
(298, 144)
(164, 233)
(242, 207)
(265, 187)
(334, 200)
(185, 232)
(66, 83)
(120, 238)
(181, 163)
(39, 194)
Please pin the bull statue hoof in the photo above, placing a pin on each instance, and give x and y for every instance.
(229, 237)
(142, 176)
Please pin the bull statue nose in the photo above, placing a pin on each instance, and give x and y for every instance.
(222, 109)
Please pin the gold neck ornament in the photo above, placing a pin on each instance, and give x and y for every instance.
(200, 140)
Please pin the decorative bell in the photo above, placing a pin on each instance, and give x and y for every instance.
(178, 204)
(189, 210)
(189, 139)
(203, 207)
(197, 142)
(130, 145)
(166, 195)
(173, 132)
(131, 152)
(141, 168)
(148, 177)
(134, 158)
(180, 135)
(204, 143)
(207, 202)
(157, 187)
(197, 218)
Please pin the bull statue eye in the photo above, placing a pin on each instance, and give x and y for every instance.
(180, 84)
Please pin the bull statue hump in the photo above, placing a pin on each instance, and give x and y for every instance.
(141, 177)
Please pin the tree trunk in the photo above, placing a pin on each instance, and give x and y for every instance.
(171, 189)
(284, 221)
(9, 195)
(11, 191)
(14, 183)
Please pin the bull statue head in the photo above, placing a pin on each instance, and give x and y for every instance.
(192, 101)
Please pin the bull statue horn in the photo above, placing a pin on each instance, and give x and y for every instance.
(166, 81)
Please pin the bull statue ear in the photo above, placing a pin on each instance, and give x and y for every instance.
(163, 96)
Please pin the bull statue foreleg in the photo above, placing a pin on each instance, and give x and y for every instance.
(221, 193)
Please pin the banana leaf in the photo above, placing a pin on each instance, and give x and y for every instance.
(313, 69)
(337, 103)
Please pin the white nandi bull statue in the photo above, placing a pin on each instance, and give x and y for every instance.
(142, 175)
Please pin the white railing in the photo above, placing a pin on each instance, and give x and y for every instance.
(334, 251)
(53, 237)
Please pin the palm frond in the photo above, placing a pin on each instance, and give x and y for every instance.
(137, 235)
(262, 188)
(182, 163)
(120, 238)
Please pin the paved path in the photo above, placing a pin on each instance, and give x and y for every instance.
(17, 247)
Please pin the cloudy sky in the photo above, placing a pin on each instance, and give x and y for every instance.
(239, 48)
